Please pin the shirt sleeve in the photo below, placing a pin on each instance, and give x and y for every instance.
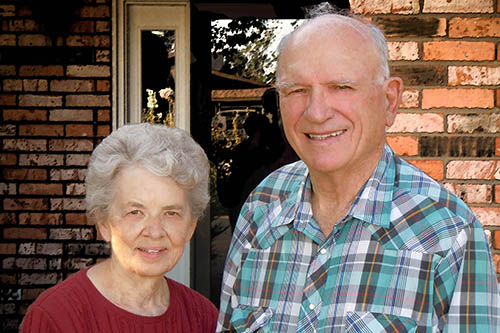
(466, 296)
(231, 269)
(39, 321)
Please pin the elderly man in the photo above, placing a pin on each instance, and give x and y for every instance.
(352, 238)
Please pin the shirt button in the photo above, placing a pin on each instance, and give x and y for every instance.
(322, 251)
(311, 306)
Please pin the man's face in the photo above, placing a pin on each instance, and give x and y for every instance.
(333, 108)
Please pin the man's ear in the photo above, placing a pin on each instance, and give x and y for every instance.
(393, 88)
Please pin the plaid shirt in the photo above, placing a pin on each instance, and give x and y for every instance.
(408, 256)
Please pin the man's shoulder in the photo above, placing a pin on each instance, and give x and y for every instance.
(414, 191)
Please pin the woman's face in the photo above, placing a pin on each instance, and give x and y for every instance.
(149, 222)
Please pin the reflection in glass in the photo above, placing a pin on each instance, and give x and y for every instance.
(158, 76)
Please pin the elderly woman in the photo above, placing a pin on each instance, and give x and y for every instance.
(146, 187)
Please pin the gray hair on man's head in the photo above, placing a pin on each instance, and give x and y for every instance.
(163, 151)
(325, 9)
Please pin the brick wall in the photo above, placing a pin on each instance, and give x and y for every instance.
(55, 106)
(447, 53)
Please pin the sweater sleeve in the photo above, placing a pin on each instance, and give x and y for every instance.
(39, 321)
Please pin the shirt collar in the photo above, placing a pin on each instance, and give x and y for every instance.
(371, 205)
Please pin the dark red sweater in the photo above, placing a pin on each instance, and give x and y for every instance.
(75, 305)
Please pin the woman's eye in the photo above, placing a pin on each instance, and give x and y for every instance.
(171, 213)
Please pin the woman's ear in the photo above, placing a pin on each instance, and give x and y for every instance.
(102, 225)
(393, 88)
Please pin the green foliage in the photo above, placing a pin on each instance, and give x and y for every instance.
(244, 45)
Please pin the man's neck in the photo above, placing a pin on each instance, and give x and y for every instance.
(334, 193)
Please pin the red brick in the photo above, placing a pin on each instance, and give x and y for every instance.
(7, 218)
(473, 170)
(40, 219)
(471, 193)
(447, 6)
(496, 240)
(25, 144)
(102, 56)
(103, 26)
(8, 100)
(21, 115)
(101, 11)
(25, 263)
(404, 145)
(32, 293)
(498, 96)
(88, 71)
(7, 10)
(457, 98)
(35, 85)
(40, 100)
(7, 130)
(72, 234)
(7, 70)
(34, 40)
(7, 40)
(75, 189)
(7, 279)
(7, 248)
(83, 27)
(79, 130)
(77, 264)
(67, 204)
(474, 27)
(458, 50)
(417, 123)
(39, 70)
(25, 204)
(8, 159)
(12, 85)
(105, 115)
(76, 218)
(488, 216)
(88, 100)
(384, 7)
(103, 130)
(25, 233)
(71, 115)
(68, 174)
(77, 159)
(72, 85)
(71, 145)
(25, 25)
(432, 168)
(41, 130)
(41, 160)
(103, 85)
(497, 193)
(473, 123)
(39, 278)
(25, 174)
(473, 75)
(40, 189)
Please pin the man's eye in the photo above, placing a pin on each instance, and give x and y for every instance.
(135, 212)
(295, 91)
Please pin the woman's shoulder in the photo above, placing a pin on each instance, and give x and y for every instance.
(71, 288)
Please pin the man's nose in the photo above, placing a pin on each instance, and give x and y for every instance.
(317, 109)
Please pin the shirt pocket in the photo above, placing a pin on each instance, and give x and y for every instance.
(251, 319)
(372, 322)
(256, 290)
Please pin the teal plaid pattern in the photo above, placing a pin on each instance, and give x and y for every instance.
(408, 257)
